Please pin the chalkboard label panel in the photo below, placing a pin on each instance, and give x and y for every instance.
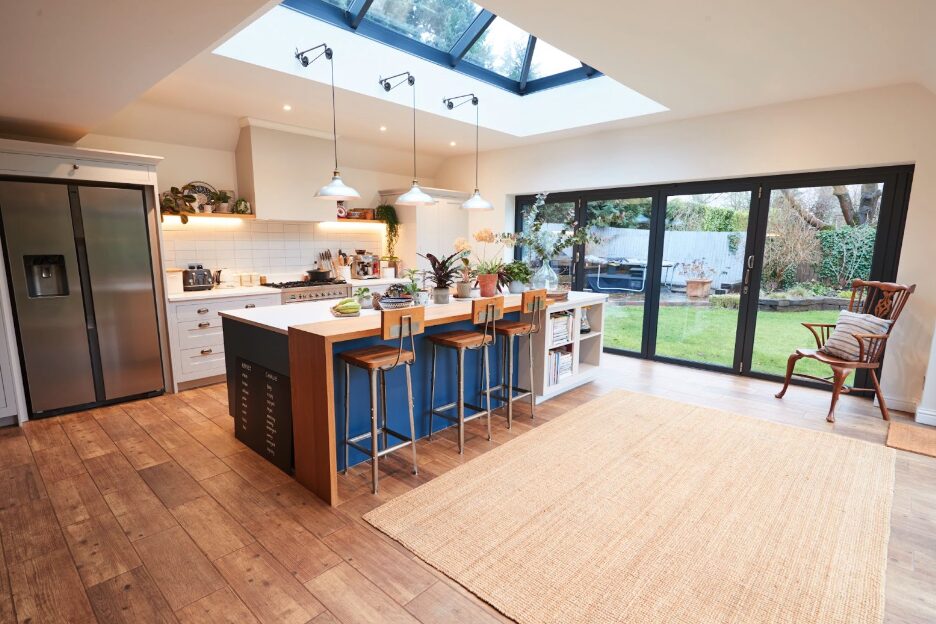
(263, 417)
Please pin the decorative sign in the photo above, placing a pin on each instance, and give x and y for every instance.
(263, 418)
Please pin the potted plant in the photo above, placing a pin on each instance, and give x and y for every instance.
(387, 214)
(443, 274)
(698, 278)
(518, 275)
(364, 297)
(420, 295)
(177, 202)
(221, 201)
(545, 243)
(464, 284)
(489, 266)
(241, 206)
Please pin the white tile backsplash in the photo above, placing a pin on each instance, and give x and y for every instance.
(263, 246)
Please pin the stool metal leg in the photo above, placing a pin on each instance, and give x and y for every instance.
(373, 423)
(487, 388)
(383, 396)
(347, 412)
(412, 427)
(461, 400)
(432, 380)
(509, 386)
(532, 381)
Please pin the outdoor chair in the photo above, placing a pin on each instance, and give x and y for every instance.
(883, 300)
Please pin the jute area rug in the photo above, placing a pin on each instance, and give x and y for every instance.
(918, 439)
(638, 509)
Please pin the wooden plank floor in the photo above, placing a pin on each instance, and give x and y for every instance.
(152, 512)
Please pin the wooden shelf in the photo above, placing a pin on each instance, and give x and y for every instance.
(588, 335)
(219, 215)
(350, 220)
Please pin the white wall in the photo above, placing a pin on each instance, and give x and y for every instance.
(893, 125)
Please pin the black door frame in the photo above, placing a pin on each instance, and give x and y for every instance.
(897, 182)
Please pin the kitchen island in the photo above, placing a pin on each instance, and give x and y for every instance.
(286, 387)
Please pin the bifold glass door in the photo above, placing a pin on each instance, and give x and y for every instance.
(723, 274)
(617, 265)
(700, 276)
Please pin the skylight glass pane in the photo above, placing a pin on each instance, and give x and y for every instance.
(341, 4)
(500, 49)
(549, 60)
(437, 23)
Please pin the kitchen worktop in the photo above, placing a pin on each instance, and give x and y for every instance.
(316, 317)
(220, 293)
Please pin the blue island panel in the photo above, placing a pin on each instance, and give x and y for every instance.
(446, 387)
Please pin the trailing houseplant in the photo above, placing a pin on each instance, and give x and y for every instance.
(443, 273)
(387, 214)
(545, 244)
(517, 274)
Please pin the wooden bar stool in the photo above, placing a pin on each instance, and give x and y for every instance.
(532, 303)
(483, 311)
(378, 361)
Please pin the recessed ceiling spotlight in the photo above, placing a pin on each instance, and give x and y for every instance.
(451, 143)
(287, 107)
(383, 128)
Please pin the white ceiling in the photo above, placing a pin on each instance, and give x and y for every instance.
(695, 58)
(705, 57)
(68, 66)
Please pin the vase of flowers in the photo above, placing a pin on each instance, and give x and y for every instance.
(548, 240)
(490, 262)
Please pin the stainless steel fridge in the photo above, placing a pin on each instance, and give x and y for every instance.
(79, 267)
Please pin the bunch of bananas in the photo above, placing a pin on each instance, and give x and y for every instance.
(347, 306)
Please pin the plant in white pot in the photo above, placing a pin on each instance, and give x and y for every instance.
(363, 295)
(698, 278)
(518, 274)
(443, 274)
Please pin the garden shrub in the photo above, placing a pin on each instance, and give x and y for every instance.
(731, 301)
(846, 253)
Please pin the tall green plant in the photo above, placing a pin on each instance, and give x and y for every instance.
(387, 214)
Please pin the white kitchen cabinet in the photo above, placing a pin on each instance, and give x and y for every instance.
(429, 229)
(196, 337)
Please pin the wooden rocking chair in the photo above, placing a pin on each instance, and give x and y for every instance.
(882, 299)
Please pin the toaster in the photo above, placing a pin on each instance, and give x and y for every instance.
(197, 278)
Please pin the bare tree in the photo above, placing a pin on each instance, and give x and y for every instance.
(868, 203)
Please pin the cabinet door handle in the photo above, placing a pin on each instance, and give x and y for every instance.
(251, 305)
(206, 351)
(203, 310)
(204, 324)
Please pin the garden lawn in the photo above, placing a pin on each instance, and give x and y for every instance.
(707, 334)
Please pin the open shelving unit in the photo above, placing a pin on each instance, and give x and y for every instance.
(566, 356)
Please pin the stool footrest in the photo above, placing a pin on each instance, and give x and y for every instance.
(479, 411)
(352, 442)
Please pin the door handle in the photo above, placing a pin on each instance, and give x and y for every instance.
(203, 310)
(747, 272)
(204, 324)
(750, 261)
(251, 305)
(206, 351)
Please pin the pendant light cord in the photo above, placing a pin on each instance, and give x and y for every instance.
(331, 63)
(477, 134)
(414, 132)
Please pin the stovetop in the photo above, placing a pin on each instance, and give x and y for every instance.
(306, 283)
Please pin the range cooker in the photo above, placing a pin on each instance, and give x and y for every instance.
(301, 291)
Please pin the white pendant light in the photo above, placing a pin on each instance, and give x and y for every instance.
(475, 202)
(415, 196)
(336, 190)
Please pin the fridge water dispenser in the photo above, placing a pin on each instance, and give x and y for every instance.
(45, 276)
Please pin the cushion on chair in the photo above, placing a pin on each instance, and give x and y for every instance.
(842, 344)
